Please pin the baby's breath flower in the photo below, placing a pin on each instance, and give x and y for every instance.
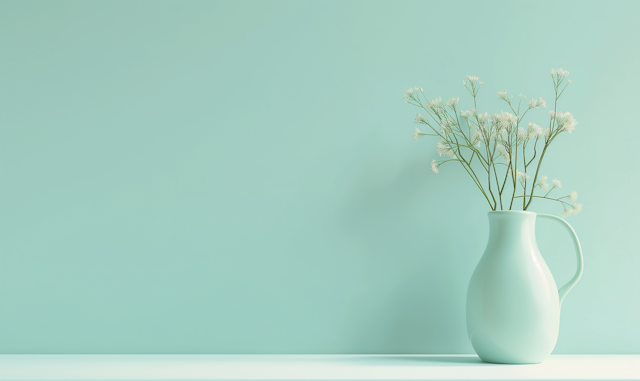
(522, 177)
(559, 74)
(435, 165)
(576, 208)
(562, 73)
(534, 131)
(502, 95)
(544, 185)
(446, 124)
(444, 149)
(566, 213)
(502, 136)
(504, 121)
(501, 128)
(453, 102)
(522, 134)
(476, 137)
(434, 104)
(503, 152)
(533, 103)
(573, 196)
(467, 114)
(411, 94)
(473, 80)
(565, 121)
(484, 118)
(419, 119)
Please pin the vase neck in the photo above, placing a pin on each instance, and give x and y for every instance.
(512, 229)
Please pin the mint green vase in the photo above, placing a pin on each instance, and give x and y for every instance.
(513, 305)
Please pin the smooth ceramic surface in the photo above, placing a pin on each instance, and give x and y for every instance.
(513, 304)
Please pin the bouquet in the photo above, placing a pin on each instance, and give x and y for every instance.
(502, 157)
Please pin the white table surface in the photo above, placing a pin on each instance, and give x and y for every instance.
(311, 367)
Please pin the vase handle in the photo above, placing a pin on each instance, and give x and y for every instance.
(576, 244)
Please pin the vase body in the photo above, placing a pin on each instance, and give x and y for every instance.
(513, 307)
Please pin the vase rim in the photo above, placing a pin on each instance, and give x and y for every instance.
(511, 212)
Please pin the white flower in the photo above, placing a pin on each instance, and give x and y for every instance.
(557, 183)
(476, 137)
(522, 134)
(434, 104)
(447, 123)
(522, 96)
(559, 74)
(453, 102)
(522, 177)
(419, 119)
(435, 165)
(473, 80)
(484, 118)
(569, 80)
(444, 149)
(576, 208)
(503, 152)
(569, 127)
(467, 114)
(502, 95)
(504, 121)
(546, 132)
(566, 213)
(565, 121)
(534, 131)
(417, 134)
(533, 103)
(464, 83)
(562, 73)
(573, 196)
(411, 94)
(502, 136)
(544, 185)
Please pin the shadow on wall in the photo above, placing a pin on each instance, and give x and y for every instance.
(414, 265)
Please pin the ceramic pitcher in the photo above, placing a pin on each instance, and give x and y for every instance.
(513, 305)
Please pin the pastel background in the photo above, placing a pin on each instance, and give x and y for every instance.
(239, 177)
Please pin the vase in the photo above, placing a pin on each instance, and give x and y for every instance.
(513, 305)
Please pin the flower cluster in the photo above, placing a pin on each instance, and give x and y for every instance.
(534, 131)
(559, 75)
(501, 145)
(563, 121)
(412, 94)
(537, 103)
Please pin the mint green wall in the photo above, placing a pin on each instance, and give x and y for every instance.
(239, 177)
